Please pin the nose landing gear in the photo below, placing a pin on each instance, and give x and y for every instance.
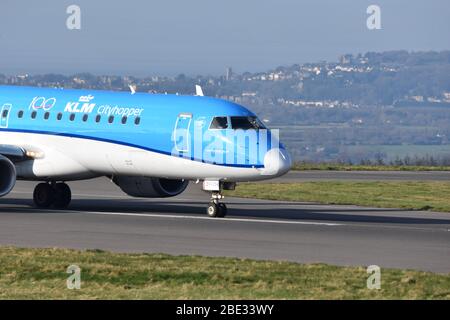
(53, 194)
(217, 209)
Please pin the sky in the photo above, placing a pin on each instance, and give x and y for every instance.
(169, 37)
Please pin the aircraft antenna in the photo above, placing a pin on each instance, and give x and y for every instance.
(198, 90)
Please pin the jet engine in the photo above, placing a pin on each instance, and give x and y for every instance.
(146, 187)
(7, 176)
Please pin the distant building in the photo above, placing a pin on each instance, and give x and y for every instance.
(345, 59)
(417, 98)
(229, 73)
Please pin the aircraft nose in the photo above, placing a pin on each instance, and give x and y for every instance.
(276, 162)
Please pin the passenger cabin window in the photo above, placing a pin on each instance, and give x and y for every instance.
(59, 116)
(20, 114)
(33, 115)
(72, 117)
(219, 123)
(137, 120)
(85, 117)
(98, 118)
(46, 115)
(124, 119)
(246, 123)
(111, 119)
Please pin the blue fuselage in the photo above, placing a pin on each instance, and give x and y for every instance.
(167, 124)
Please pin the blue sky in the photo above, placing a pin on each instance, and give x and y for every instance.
(204, 36)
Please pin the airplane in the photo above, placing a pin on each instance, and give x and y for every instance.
(149, 145)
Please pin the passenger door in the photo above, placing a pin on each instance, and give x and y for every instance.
(181, 135)
(4, 115)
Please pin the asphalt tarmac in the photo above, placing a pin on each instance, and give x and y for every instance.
(102, 217)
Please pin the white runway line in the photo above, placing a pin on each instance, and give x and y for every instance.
(148, 215)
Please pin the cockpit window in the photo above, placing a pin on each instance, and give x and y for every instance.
(219, 123)
(246, 123)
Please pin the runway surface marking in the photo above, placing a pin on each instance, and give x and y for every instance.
(185, 217)
(150, 215)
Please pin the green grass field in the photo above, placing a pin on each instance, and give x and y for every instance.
(401, 151)
(41, 274)
(413, 195)
(357, 167)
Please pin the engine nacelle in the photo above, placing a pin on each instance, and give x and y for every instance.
(7, 176)
(145, 187)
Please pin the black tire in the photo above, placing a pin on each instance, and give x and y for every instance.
(63, 196)
(43, 195)
(222, 210)
(212, 210)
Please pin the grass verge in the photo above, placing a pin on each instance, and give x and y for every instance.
(41, 274)
(299, 166)
(412, 195)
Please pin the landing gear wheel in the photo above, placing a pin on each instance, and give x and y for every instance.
(215, 207)
(43, 195)
(63, 195)
(213, 210)
(222, 210)
(216, 210)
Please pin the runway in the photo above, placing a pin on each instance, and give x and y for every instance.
(102, 217)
